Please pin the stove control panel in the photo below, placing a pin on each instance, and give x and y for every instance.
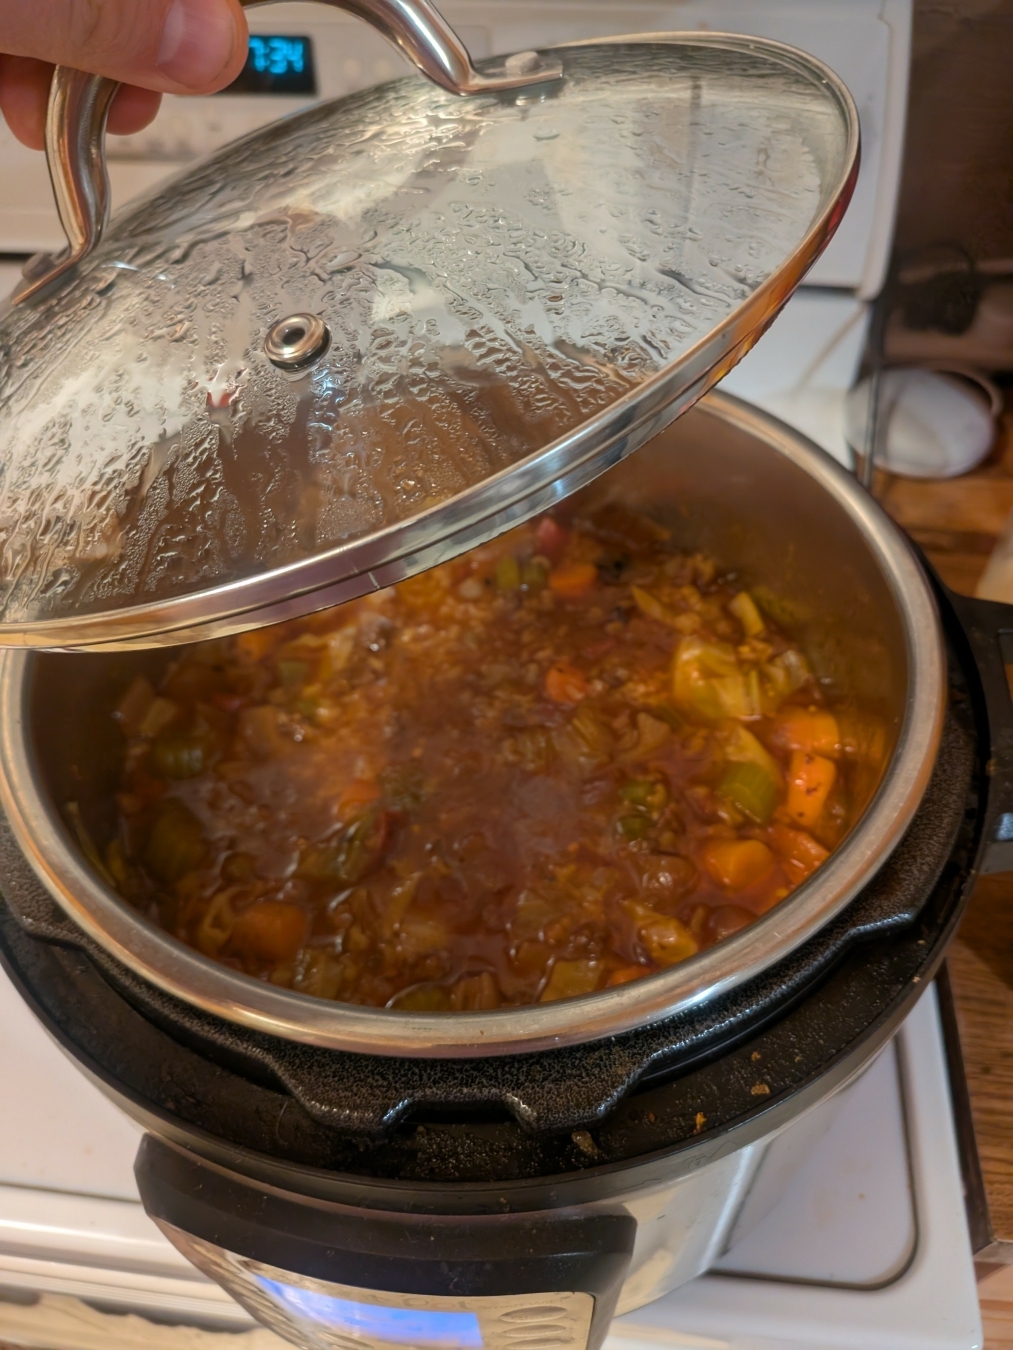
(299, 54)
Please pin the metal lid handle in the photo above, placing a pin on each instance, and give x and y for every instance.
(79, 109)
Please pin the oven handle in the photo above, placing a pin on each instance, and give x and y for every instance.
(984, 624)
(79, 109)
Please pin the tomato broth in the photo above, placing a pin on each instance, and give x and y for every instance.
(568, 759)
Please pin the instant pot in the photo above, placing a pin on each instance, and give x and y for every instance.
(340, 351)
(439, 1194)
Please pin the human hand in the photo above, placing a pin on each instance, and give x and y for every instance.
(153, 47)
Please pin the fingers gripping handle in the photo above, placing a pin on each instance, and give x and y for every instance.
(79, 109)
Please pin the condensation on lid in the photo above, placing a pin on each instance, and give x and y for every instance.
(490, 273)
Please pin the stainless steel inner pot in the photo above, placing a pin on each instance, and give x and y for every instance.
(730, 480)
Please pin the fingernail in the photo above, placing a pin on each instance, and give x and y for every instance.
(197, 42)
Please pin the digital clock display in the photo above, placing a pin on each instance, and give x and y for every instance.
(277, 63)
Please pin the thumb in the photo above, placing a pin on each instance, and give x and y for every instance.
(173, 46)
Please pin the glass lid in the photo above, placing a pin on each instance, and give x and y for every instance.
(381, 331)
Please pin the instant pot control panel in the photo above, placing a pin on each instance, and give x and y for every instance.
(487, 1282)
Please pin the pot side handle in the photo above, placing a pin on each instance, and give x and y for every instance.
(79, 109)
(988, 630)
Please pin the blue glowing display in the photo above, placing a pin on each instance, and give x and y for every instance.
(277, 63)
(400, 1326)
(278, 55)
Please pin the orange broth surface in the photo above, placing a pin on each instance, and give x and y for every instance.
(569, 759)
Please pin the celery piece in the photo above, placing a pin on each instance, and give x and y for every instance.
(180, 756)
(346, 859)
(739, 694)
(644, 792)
(741, 746)
(698, 670)
(634, 827)
(750, 787)
(650, 605)
(176, 844)
(744, 608)
(534, 574)
(508, 573)
(667, 941)
(292, 674)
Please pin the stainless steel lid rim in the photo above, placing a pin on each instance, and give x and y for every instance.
(195, 979)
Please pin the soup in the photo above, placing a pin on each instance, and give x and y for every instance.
(569, 759)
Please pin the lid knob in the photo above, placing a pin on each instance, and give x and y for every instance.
(297, 341)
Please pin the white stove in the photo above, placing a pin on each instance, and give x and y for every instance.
(867, 1245)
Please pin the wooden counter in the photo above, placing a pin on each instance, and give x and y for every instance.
(956, 523)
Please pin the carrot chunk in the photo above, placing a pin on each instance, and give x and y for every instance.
(573, 581)
(799, 852)
(810, 778)
(565, 684)
(817, 733)
(270, 931)
(737, 863)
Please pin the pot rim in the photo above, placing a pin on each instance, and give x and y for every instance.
(512, 495)
(197, 980)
